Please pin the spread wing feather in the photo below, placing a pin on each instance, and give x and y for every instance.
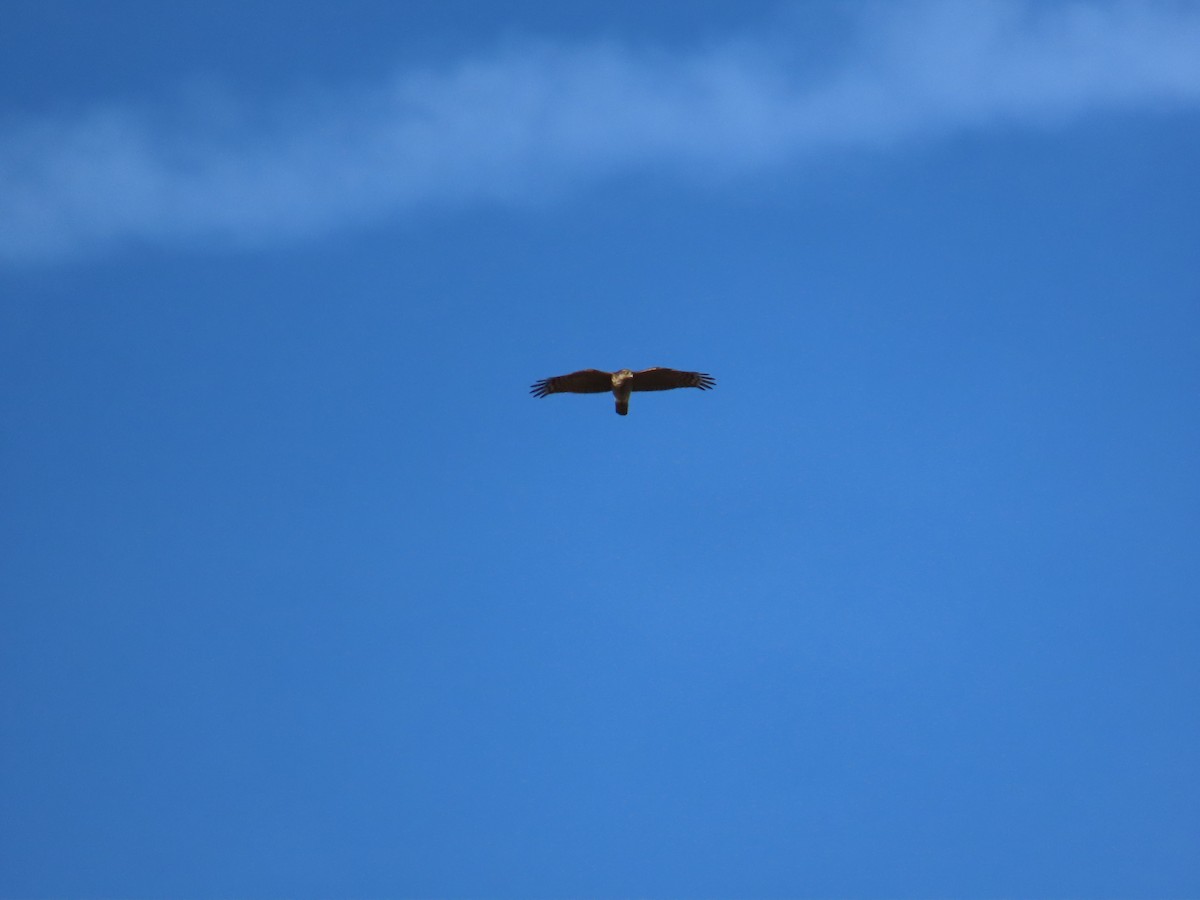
(659, 379)
(585, 381)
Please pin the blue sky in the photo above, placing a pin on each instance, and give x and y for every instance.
(303, 595)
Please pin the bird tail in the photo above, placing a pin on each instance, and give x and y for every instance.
(622, 407)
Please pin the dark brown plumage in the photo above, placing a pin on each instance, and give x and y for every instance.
(621, 383)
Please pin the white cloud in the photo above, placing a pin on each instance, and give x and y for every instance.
(512, 127)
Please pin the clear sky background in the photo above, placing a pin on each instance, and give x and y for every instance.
(302, 594)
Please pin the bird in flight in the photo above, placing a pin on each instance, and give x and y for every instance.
(622, 383)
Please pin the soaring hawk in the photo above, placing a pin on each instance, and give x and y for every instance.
(593, 381)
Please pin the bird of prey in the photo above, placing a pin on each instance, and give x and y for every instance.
(593, 381)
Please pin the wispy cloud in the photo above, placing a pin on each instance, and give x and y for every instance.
(545, 117)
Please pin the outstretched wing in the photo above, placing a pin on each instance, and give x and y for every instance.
(585, 381)
(659, 379)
